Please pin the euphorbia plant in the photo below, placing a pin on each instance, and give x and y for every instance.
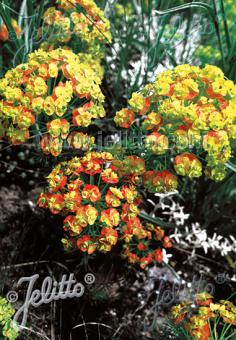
(53, 95)
(76, 23)
(206, 319)
(101, 207)
(188, 119)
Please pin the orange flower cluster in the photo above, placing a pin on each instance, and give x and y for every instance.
(133, 168)
(198, 323)
(54, 94)
(187, 164)
(144, 243)
(160, 181)
(188, 111)
(4, 34)
(102, 212)
(81, 19)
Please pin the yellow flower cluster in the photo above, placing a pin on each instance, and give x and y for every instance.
(197, 319)
(56, 89)
(189, 110)
(9, 327)
(76, 19)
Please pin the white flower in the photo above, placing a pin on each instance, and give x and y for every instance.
(176, 236)
(166, 256)
(205, 246)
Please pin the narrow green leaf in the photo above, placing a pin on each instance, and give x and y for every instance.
(156, 220)
(231, 166)
(218, 33)
(30, 7)
(187, 6)
(40, 13)
(226, 28)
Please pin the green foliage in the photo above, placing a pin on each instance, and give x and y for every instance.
(9, 328)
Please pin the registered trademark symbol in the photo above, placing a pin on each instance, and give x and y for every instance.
(89, 278)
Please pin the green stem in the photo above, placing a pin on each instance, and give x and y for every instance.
(30, 7)
(231, 166)
(232, 295)
(106, 186)
(99, 180)
(230, 262)
(230, 336)
(211, 331)
(156, 220)
(173, 271)
(1, 61)
(215, 327)
(224, 331)
(228, 39)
